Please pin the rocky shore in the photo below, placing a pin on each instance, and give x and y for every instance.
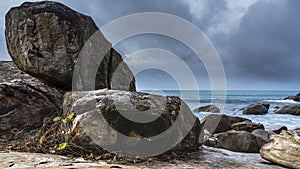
(44, 110)
(206, 158)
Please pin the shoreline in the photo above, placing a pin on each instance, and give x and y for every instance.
(206, 157)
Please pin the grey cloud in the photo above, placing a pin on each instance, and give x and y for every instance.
(264, 48)
(266, 45)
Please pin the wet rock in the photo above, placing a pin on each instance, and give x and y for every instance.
(239, 141)
(257, 109)
(133, 123)
(24, 109)
(247, 126)
(295, 98)
(293, 109)
(46, 39)
(208, 108)
(283, 149)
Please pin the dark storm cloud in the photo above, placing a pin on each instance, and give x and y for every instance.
(267, 43)
(104, 11)
(258, 41)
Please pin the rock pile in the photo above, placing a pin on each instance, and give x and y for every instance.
(233, 133)
(48, 40)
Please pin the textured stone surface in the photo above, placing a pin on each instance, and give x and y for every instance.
(24, 109)
(283, 149)
(104, 117)
(46, 38)
(208, 108)
(26, 105)
(293, 109)
(9, 72)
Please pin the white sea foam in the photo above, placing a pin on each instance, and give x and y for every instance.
(284, 101)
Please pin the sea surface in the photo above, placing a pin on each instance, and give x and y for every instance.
(231, 101)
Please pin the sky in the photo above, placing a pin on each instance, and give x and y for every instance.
(258, 41)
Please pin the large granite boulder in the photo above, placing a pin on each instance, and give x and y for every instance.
(50, 41)
(207, 108)
(295, 98)
(130, 123)
(257, 109)
(283, 149)
(293, 109)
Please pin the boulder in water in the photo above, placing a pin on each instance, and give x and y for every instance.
(257, 109)
(293, 109)
(295, 98)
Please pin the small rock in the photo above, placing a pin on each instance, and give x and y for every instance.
(208, 108)
(264, 135)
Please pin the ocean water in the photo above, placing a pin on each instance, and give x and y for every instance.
(232, 101)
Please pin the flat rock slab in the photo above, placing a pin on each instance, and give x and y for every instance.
(206, 158)
(34, 160)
